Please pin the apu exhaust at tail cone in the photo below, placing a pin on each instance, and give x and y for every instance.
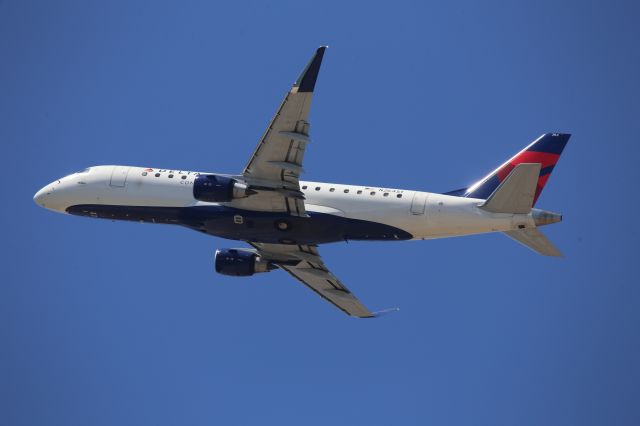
(544, 217)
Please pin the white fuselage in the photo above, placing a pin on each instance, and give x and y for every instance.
(423, 215)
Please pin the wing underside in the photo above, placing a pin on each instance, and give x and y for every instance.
(273, 175)
(303, 262)
(274, 169)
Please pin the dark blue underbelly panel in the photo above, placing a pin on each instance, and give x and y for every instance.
(248, 225)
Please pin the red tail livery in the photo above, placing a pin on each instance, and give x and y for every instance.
(545, 150)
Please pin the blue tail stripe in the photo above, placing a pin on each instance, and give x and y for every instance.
(486, 189)
(552, 143)
(546, 170)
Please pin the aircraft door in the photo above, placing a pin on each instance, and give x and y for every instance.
(418, 203)
(119, 176)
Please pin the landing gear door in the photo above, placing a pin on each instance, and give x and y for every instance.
(418, 203)
(119, 176)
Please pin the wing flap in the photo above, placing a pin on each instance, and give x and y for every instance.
(303, 262)
(343, 300)
(276, 163)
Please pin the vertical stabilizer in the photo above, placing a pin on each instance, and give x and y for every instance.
(545, 150)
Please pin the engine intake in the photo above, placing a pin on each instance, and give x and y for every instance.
(216, 189)
(240, 263)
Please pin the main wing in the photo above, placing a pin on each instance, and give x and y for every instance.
(276, 164)
(304, 263)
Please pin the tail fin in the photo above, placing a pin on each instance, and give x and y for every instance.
(545, 150)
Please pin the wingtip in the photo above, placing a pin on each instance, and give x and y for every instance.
(307, 80)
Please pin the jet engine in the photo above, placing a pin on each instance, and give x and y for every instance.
(240, 263)
(216, 188)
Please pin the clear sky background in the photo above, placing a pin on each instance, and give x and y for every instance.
(107, 323)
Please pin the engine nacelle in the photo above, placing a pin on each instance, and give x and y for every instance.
(218, 189)
(240, 263)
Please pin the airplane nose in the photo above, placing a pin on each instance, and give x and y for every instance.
(54, 196)
(40, 196)
(45, 197)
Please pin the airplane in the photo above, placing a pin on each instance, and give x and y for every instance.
(285, 219)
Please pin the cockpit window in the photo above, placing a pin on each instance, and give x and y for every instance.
(84, 171)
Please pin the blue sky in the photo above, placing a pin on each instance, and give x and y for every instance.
(107, 323)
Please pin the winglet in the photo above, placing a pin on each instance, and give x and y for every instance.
(378, 314)
(307, 80)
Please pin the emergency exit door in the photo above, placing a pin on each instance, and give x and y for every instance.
(418, 203)
(119, 176)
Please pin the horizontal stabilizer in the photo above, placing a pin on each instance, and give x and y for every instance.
(535, 240)
(516, 193)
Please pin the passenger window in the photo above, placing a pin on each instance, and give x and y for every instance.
(373, 192)
(346, 191)
(386, 194)
(317, 188)
(183, 177)
(359, 191)
(170, 176)
(157, 174)
(332, 189)
(144, 173)
(399, 195)
(304, 187)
